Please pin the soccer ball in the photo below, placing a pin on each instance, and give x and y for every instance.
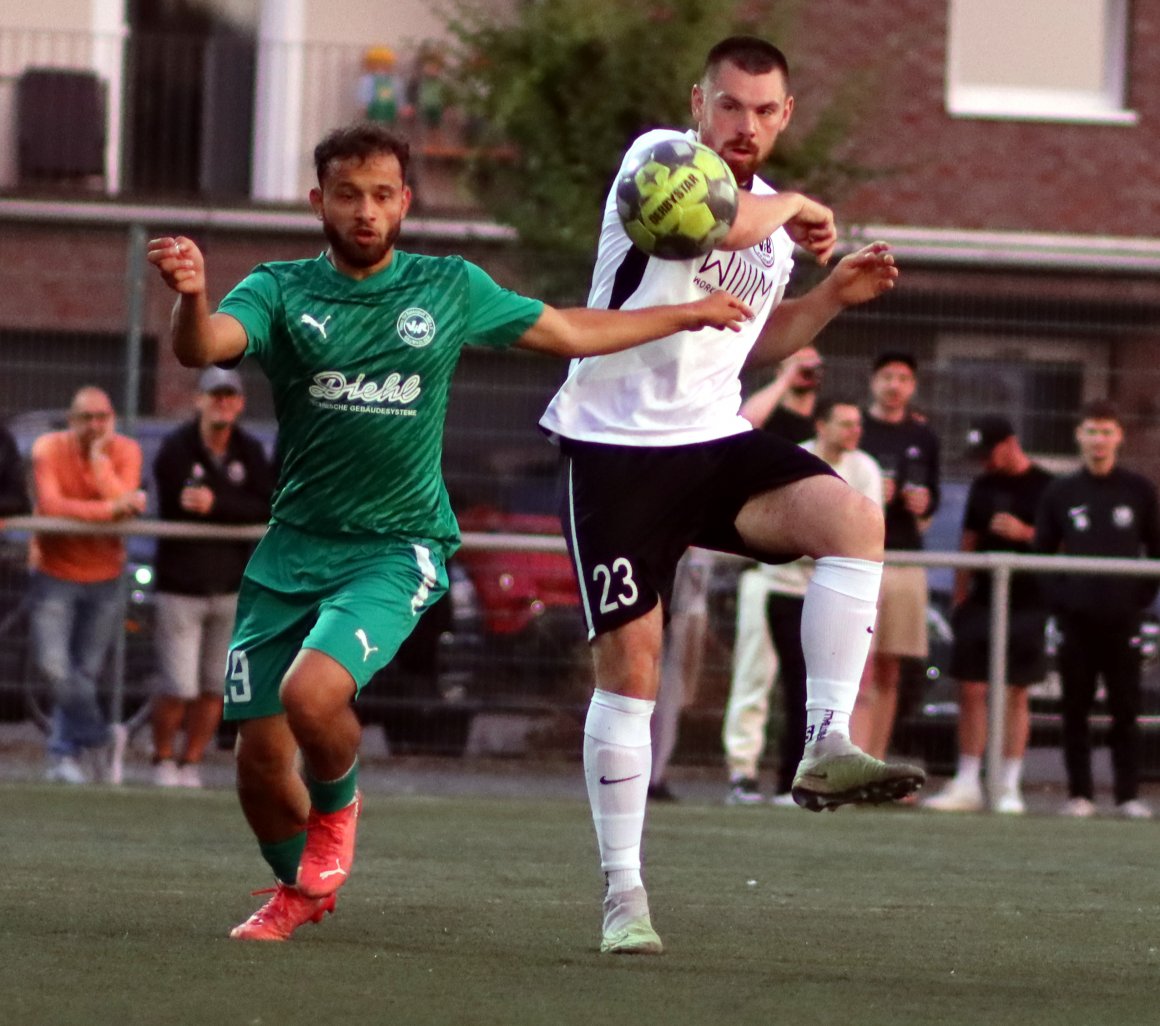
(676, 199)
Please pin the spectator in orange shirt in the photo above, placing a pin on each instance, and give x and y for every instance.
(89, 473)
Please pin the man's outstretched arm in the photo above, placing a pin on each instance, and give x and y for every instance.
(198, 337)
(858, 278)
(581, 331)
(809, 223)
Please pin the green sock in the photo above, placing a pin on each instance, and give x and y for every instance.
(283, 856)
(332, 795)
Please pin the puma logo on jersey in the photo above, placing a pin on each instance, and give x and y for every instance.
(368, 648)
(320, 327)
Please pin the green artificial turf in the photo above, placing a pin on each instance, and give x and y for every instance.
(115, 905)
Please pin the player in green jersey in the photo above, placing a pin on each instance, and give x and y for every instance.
(359, 346)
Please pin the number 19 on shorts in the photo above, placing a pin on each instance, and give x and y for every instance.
(238, 678)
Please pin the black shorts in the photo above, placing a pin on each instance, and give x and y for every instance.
(629, 512)
(1026, 651)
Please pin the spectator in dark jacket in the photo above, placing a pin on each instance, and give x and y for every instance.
(907, 450)
(13, 482)
(207, 471)
(1100, 510)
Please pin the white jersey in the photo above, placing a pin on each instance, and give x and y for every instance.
(686, 387)
(861, 472)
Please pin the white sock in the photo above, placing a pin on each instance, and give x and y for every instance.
(1012, 774)
(617, 764)
(837, 626)
(969, 770)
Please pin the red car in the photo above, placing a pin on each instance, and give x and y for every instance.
(509, 635)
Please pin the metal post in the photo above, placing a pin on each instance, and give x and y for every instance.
(997, 692)
(135, 268)
(117, 669)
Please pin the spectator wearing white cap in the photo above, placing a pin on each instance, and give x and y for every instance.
(207, 471)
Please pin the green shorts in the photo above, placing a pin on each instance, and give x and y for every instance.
(354, 599)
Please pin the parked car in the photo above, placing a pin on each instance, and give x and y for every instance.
(507, 636)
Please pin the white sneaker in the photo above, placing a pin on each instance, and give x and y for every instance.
(1078, 808)
(166, 774)
(64, 769)
(1133, 809)
(834, 772)
(783, 800)
(189, 775)
(958, 796)
(1011, 803)
(628, 930)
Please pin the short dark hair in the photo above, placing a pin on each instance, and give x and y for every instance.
(825, 408)
(360, 140)
(1100, 409)
(753, 55)
(895, 356)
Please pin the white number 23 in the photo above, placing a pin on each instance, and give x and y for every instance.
(626, 593)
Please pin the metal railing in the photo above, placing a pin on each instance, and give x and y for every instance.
(1000, 565)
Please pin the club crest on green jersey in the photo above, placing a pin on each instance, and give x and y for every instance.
(416, 327)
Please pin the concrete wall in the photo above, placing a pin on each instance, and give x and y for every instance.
(52, 33)
(399, 24)
(49, 15)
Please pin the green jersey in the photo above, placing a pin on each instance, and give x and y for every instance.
(360, 372)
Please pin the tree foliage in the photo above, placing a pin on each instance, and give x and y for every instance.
(557, 91)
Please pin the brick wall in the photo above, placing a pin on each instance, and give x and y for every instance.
(940, 171)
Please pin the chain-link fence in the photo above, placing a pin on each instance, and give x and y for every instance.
(1030, 339)
(508, 646)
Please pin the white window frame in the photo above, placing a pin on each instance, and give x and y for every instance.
(1103, 106)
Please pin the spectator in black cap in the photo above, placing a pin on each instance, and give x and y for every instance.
(907, 450)
(208, 471)
(999, 517)
(1101, 510)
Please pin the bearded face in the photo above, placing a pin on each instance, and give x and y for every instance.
(361, 204)
(362, 246)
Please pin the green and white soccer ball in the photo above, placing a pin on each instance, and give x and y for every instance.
(676, 199)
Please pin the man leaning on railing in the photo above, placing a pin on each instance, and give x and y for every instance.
(87, 472)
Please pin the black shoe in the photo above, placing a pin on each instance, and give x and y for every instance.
(660, 792)
(744, 791)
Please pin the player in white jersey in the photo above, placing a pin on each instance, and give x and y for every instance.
(360, 346)
(658, 458)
